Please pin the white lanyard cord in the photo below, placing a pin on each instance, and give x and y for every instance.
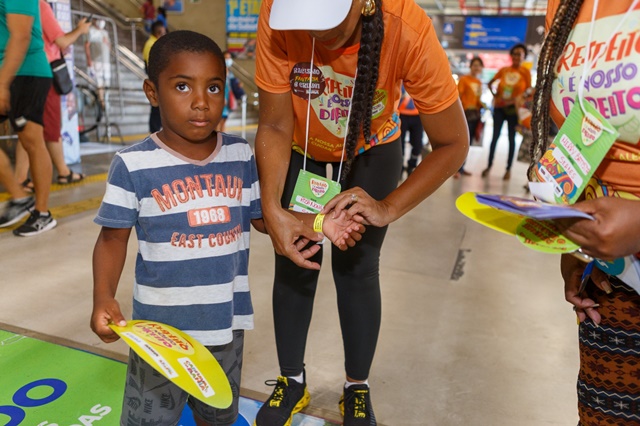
(346, 131)
(306, 135)
(590, 63)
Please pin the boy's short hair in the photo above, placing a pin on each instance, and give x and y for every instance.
(176, 42)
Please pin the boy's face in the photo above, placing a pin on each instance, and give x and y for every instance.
(190, 94)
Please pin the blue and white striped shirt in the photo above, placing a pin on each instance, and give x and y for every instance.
(192, 220)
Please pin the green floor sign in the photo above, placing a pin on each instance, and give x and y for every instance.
(43, 384)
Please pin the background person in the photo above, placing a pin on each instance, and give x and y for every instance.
(512, 81)
(97, 48)
(157, 31)
(55, 42)
(25, 79)
(607, 380)
(148, 14)
(387, 43)
(470, 89)
(410, 125)
(162, 17)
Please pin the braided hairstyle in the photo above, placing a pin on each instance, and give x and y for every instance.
(365, 84)
(551, 50)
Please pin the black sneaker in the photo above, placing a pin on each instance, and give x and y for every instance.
(16, 210)
(355, 406)
(288, 398)
(36, 224)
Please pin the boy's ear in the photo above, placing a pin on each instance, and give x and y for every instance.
(151, 92)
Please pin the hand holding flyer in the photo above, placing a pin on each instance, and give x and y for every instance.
(180, 358)
(524, 218)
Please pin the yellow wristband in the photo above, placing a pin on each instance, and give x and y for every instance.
(317, 223)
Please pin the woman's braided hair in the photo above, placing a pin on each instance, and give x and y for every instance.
(552, 48)
(365, 84)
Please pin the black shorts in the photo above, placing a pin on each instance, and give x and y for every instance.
(28, 97)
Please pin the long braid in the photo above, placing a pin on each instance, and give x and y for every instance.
(552, 48)
(365, 84)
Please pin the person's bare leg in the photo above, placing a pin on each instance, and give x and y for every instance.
(7, 180)
(21, 172)
(40, 165)
(56, 151)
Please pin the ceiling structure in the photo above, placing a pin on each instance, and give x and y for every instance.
(484, 7)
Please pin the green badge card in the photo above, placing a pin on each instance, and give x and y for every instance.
(312, 192)
(576, 152)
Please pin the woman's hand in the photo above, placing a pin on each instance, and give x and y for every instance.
(360, 207)
(343, 231)
(290, 237)
(614, 233)
(572, 269)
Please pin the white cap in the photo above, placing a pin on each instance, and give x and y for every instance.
(315, 15)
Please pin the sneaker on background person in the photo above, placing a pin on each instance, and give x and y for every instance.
(15, 210)
(355, 406)
(288, 398)
(36, 224)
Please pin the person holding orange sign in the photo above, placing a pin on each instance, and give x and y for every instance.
(606, 299)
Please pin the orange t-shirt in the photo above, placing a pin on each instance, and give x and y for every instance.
(512, 82)
(411, 53)
(470, 89)
(612, 86)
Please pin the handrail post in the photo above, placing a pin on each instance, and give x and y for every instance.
(243, 119)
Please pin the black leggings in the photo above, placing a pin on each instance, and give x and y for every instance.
(411, 124)
(500, 115)
(355, 272)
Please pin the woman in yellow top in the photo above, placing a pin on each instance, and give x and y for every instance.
(470, 89)
(512, 82)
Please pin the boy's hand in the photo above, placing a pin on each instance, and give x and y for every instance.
(104, 313)
(344, 231)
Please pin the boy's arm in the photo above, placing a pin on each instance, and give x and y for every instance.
(109, 256)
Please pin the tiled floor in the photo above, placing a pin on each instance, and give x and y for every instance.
(475, 329)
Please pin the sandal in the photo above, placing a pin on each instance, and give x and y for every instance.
(72, 177)
(27, 186)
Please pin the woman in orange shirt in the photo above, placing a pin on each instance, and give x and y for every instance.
(608, 307)
(512, 82)
(470, 89)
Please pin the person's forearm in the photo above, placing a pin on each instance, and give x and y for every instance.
(68, 39)
(450, 149)
(438, 166)
(273, 155)
(109, 257)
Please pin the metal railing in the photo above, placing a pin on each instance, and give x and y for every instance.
(134, 25)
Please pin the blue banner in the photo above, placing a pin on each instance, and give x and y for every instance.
(494, 33)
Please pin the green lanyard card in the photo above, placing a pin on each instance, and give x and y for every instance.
(312, 192)
(576, 152)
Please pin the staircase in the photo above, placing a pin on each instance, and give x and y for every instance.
(127, 108)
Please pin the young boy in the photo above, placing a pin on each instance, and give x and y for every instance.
(192, 195)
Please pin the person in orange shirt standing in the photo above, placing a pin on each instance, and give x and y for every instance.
(330, 82)
(608, 304)
(512, 82)
(470, 89)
